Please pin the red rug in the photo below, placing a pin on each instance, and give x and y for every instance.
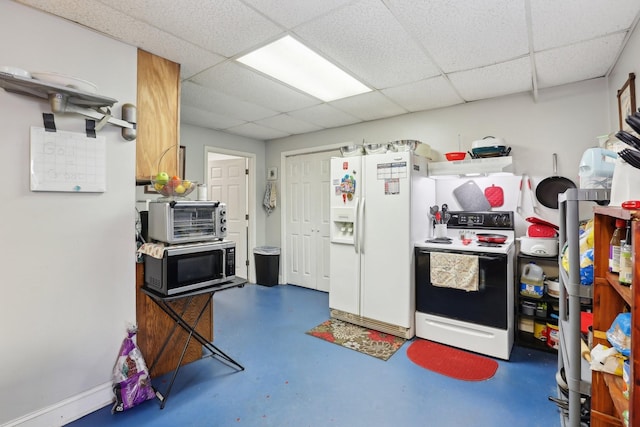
(450, 361)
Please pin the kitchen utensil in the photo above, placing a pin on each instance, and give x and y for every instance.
(628, 139)
(548, 189)
(632, 157)
(497, 151)
(491, 238)
(539, 246)
(351, 150)
(519, 204)
(534, 220)
(537, 230)
(67, 81)
(534, 202)
(455, 155)
(634, 122)
(471, 198)
(404, 145)
(631, 204)
(488, 141)
(376, 148)
(495, 195)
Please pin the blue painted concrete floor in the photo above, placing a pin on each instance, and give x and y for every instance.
(293, 379)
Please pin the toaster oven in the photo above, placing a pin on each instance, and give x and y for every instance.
(185, 221)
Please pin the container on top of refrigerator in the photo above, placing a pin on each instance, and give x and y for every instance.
(596, 168)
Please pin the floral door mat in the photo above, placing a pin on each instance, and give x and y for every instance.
(354, 337)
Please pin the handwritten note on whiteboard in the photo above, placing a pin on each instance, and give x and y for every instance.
(67, 161)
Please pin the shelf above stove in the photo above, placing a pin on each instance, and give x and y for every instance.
(470, 166)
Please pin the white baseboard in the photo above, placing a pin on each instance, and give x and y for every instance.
(67, 410)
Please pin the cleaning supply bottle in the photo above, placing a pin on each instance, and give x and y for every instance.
(614, 247)
(626, 263)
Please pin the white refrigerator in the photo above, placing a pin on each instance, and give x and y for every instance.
(379, 208)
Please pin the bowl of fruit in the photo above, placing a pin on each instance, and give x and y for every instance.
(172, 186)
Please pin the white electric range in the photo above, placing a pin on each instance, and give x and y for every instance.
(465, 285)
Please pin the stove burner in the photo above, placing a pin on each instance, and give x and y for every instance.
(441, 240)
(490, 245)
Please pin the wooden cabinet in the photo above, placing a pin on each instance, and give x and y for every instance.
(154, 326)
(609, 299)
(158, 113)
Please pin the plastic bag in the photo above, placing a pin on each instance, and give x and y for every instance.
(586, 253)
(131, 381)
(619, 333)
(606, 359)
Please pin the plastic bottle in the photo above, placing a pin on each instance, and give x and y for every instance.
(532, 281)
(626, 263)
(614, 247)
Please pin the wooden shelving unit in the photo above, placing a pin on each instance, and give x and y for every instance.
(609, 299)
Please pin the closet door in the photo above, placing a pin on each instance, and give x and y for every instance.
(307, 222)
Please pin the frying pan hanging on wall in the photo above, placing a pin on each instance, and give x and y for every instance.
(548, 189)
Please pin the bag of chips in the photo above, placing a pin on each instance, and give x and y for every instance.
(131, 381)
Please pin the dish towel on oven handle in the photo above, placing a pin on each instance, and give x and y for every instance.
(155, 250)
(455, 271)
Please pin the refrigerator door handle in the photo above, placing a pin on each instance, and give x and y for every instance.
(361, 226)
(356, 228)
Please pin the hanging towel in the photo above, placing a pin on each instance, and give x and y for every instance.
(456, 271)
(270, 197)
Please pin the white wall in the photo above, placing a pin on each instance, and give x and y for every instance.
(196, 139)
(565, 120)
(67, 259)
(629, 62)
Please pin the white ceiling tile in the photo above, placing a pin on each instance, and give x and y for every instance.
(464, 34)
(369, 106)
(291, 13)
(216, 102)
(495, 80)
(424, 95)
(288, 124)
(358, 37)
(252, 130)
(324, 116)
(226, 27)
(206, 119)
(238, 81)
(577, 62)
(558, 23)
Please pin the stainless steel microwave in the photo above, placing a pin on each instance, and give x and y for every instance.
(191, 266)
(184, 221)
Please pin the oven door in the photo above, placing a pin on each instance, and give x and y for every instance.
(487, 306)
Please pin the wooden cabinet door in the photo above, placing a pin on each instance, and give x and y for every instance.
(158, 112)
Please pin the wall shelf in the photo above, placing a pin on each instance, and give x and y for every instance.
(470, 166)
(64, 99)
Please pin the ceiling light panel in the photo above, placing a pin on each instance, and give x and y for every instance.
(466, 33)
(290, 61)
(558, 23)
(366, 39)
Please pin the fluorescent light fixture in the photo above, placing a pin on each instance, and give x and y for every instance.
(293, 63)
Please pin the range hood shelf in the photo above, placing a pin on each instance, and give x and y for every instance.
(470, 167)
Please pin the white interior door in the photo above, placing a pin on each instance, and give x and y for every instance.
(307, 222)
(227, 181)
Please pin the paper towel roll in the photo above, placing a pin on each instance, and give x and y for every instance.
(202, 192)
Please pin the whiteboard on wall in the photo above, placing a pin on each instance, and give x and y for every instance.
(67, 161)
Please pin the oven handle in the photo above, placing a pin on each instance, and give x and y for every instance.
(481, 256)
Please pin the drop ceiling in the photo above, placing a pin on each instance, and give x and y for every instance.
(415, 54)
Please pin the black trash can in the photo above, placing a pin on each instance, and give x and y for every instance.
(267, 260)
